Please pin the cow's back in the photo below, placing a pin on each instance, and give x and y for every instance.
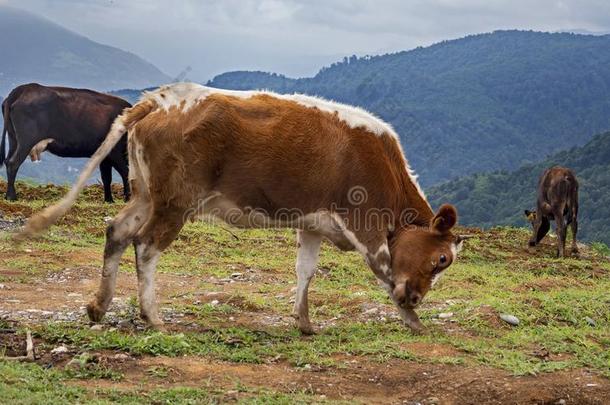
(270, 153)
(557, 185)
(77, 119)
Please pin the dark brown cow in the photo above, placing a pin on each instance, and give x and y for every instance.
(66, 122)
(557, 200)
(258, 159)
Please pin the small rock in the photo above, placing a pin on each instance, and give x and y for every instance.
(59, 350)
(430, 401)
(121, 356)
(214, 303)
(560, 402)
(2, 286)
(97, 326)
(371, 311)
(27, 250)
(445, 315)
(590, 321)
(236, 275)
(107, 219)
(73, 295)
(510, 319)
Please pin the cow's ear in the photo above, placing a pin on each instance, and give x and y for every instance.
(445, 219)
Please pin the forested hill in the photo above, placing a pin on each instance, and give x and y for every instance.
(500, 198)
(480, 103)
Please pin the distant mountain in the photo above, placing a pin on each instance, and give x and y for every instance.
(34, 49)
(480, 103)
(500, 198)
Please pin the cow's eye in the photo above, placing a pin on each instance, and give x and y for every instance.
(443, 259)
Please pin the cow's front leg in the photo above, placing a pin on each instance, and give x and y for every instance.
(147, 257)
(308, 250)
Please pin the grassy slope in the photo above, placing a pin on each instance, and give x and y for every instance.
(496, 274)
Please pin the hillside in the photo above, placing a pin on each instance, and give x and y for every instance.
(34, 49)
(230, 338)
(480, 103)
(499, 198)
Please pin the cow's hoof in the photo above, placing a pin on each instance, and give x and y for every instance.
(418, 329)
(11, 197)
(94, 312)
(157, 327)
(306, 328)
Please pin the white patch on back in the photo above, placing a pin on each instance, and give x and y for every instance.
(186, 95)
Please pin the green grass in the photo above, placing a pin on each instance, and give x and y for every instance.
(554, 299)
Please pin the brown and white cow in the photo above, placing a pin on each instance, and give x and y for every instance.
(258, 159)
(557, 200)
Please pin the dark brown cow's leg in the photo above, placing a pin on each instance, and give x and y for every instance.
(123, 170)
(158, 233)
(574, 227)
(561, 232)
(308, 250)
(119, 235)
(106, 172)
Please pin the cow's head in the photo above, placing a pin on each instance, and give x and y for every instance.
(540, 226)
(421, 255)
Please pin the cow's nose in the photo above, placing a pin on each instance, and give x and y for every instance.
(414, 298)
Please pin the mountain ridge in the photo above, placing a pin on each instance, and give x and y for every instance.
(478, 103)
(36, 49)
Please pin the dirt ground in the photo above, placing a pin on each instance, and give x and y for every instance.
(361, 379)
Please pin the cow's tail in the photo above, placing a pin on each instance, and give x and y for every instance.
(6, 119)
(43, 220)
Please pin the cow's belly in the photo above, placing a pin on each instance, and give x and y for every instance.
(216, 206)
(64, 150)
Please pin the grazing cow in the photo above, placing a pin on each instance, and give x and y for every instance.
(66, 122)
(259, 159)
(558, 200)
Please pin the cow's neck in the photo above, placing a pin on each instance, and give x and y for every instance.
(412, 208)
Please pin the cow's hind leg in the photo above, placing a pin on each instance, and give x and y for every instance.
(23, 136)
(561, 232)
(574, 227)
(106, 172)
(308, 250)
(119, 235)
(123, 170)
(158, 233)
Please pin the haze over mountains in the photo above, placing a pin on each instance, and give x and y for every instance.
(36, 49)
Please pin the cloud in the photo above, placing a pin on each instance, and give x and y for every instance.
(296, 37)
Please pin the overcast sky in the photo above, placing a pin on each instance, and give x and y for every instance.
(297, 37)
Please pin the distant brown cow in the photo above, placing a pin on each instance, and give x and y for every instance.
(558, 200)
(258, 159)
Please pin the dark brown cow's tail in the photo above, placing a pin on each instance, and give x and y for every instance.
(6, 119)
(41, 221)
